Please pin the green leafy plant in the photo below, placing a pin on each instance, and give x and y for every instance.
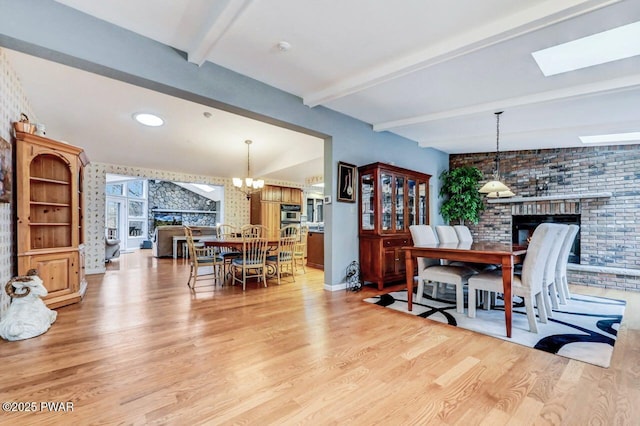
(460, 190)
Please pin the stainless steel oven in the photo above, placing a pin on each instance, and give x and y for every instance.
(290, 213)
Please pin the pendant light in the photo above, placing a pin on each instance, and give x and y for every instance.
(495, 188)
(248, 185)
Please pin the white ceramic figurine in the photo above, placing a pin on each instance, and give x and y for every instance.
(27, 315)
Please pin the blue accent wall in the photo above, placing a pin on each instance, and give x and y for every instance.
(50, 30)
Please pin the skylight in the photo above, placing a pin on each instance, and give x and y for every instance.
(608, 46)
(633, 137)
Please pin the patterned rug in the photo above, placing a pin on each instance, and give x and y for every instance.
(584, 329)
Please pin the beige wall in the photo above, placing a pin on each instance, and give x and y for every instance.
(13, 101)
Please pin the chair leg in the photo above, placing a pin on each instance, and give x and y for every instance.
(565, 287)
(531, 315)
(472, 302)
(553, 293)
(419, 290)
(547, 300)
(542, 311)
(459, 298)
(191, 276)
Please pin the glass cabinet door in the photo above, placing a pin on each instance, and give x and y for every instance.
(386, 201)
(367, 192)
(423, 204)
(411, 202)
(399, 204)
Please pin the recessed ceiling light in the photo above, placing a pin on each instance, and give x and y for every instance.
(284, 46)
(600, 48)
(632, 137)
(148, 119)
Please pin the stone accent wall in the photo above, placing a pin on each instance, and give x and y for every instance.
(610, 230)
(167, 195)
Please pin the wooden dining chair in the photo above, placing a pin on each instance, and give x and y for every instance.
(283, 259)
(290, 231)
(254, 231)
(529, 285)
(202, 258)
(300, 249)
(224, 231)
(252, 262)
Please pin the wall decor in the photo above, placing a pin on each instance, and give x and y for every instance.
(5, 171)
(346, 182)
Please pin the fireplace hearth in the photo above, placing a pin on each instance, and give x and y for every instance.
(524, 225)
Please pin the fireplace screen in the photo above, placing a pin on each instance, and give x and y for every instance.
(524, 225)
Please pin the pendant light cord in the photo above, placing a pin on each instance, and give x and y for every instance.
(497, 172)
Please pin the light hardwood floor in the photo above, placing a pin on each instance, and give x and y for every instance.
(142, 349)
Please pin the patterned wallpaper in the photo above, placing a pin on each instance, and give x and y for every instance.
(12, 102)
(235, 209)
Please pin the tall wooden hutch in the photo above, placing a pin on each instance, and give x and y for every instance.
(49, 215)
(391, 200)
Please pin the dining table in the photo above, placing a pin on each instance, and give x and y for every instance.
(503, 254)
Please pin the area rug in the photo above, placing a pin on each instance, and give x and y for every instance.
(584, 329)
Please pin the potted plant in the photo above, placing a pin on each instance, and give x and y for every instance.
(460, 188)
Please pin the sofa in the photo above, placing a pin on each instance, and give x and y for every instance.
(162, 241)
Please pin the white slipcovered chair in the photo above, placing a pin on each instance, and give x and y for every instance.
(430, 269)
(550, 289)
(446, 234)
(561, 268)
(530, 284)
(463, 233)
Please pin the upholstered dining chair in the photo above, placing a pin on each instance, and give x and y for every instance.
(561, 268)
(550, 289)
(200, 258)
(430, 270)
(252, 263)
(446, 234)
(463, 233)
(529, 285)
(283, 258)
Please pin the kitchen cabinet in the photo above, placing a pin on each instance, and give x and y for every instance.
(265, 206)
(315, 249)
(49, 215)
(390, 200)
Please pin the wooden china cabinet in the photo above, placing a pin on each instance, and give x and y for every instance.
(49, 215)
(391, 200)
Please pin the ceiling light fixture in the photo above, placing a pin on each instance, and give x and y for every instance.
(607, 46)
(249, 185)
(495, 188)
(147, 119)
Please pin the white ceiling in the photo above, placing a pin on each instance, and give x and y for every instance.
(429, 70)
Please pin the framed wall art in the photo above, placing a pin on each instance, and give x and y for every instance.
(5, 171)
(346, 182)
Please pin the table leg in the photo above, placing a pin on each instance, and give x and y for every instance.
(175, 248)
(409, 264)
(507, 280)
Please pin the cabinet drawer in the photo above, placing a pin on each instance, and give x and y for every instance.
(396, 242)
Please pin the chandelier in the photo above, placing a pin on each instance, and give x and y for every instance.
(248, 185)
(495, 188)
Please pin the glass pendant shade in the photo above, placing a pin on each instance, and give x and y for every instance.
(501, 194)
(495, 188)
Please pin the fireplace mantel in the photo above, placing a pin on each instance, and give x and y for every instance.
(555, 197)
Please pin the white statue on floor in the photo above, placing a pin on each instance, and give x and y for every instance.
(27, 315)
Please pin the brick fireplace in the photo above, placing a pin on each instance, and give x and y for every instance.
(600, 184)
